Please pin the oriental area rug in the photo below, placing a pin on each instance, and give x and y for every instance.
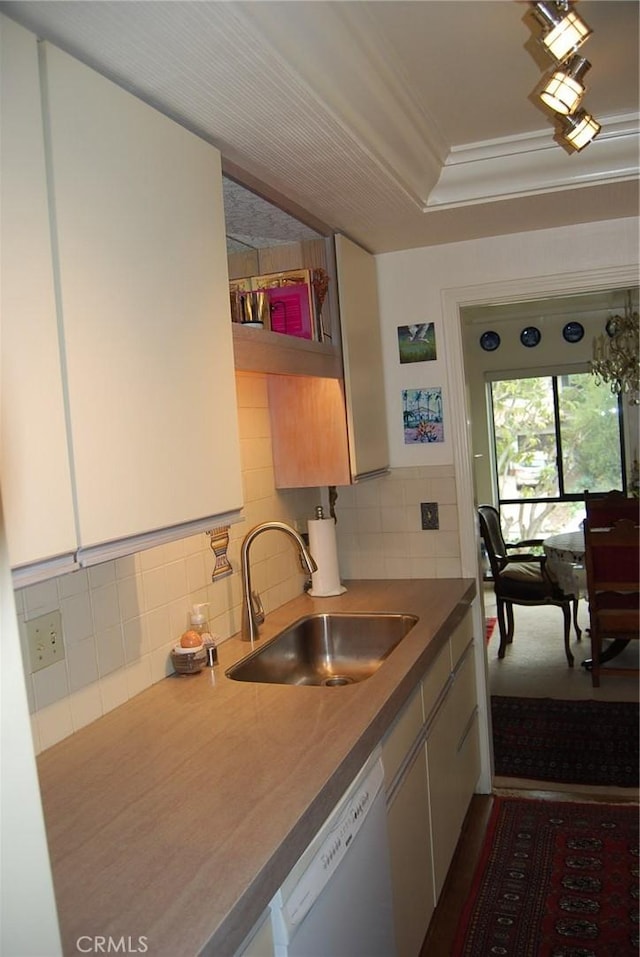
(568, 742)
(554, 879)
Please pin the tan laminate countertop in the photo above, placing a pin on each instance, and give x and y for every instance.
(176, 817)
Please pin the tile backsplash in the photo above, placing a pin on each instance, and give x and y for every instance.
(121, 618)
(380, 533)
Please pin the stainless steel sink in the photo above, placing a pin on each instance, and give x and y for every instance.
(325, 649)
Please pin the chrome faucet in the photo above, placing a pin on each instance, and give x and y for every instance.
(253, 610)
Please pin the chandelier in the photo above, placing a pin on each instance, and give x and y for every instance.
(615, 355)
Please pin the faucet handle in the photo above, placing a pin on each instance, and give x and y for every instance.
(258, 608)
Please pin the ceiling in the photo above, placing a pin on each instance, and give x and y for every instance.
(398, 123)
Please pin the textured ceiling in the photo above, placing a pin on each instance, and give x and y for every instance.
(398, 123)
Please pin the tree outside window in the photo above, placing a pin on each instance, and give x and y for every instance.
(555, 436)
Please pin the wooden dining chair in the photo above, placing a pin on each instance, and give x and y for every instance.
(520, 578)
(608, 507)
(612, 550)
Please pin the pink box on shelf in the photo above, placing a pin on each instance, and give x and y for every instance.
(290, 311)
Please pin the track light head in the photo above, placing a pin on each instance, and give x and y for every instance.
(565, 30)
(579, 129)
(564, 88)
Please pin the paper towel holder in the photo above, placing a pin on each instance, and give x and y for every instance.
(320, 588)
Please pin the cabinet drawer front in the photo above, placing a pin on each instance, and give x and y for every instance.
(434, 682)
(461, 638)
(469, 761)
(465, 691)
(400, 738)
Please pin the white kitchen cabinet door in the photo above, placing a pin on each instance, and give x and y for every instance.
(362, 357)
(451, 742)
(141, 255)
(410, 853)
(36, 481)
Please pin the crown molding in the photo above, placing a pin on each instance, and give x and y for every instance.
(535, 163)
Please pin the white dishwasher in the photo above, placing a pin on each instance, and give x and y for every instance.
(336, 902)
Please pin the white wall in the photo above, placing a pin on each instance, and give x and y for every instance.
(412, 285)
(431, 284)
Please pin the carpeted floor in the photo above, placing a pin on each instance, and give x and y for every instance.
(554, 879)
(535, 665)
(571, 742)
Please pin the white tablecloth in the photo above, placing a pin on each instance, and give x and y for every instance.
(565, 562)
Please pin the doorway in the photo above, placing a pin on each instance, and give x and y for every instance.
(456, 303)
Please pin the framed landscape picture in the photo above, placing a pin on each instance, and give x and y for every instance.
(422, 415)
(417, 342)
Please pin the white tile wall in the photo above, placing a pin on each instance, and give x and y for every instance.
(120, 619)
(379, 530)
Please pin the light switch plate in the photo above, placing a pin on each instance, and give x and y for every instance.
(44, 637)
(429, 513)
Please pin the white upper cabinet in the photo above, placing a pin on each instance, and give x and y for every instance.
(141, 255)
(36, 481)
(362, 357)
(119, 415)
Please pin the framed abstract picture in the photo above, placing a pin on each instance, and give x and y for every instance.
(422, 415)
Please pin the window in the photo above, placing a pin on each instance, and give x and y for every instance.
(554, 437)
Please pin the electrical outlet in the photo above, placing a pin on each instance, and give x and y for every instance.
(44, 636)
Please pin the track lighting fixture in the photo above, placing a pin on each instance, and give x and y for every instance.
(564, 89)
(579, 129)
(566, 31)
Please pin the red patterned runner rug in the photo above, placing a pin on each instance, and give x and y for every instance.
(554, 879)
(490, 625)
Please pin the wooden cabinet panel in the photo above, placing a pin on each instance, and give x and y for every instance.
(308, 432)
(139, 222)
(36, 478)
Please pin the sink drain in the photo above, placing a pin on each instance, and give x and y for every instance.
(337, 680)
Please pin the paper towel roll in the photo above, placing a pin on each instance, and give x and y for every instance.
(322, 545)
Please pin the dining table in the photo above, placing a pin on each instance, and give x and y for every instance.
(565, 561)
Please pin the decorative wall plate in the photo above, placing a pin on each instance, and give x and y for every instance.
(573, 331)
(530, 337)
(612, 326)
(489, 341)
